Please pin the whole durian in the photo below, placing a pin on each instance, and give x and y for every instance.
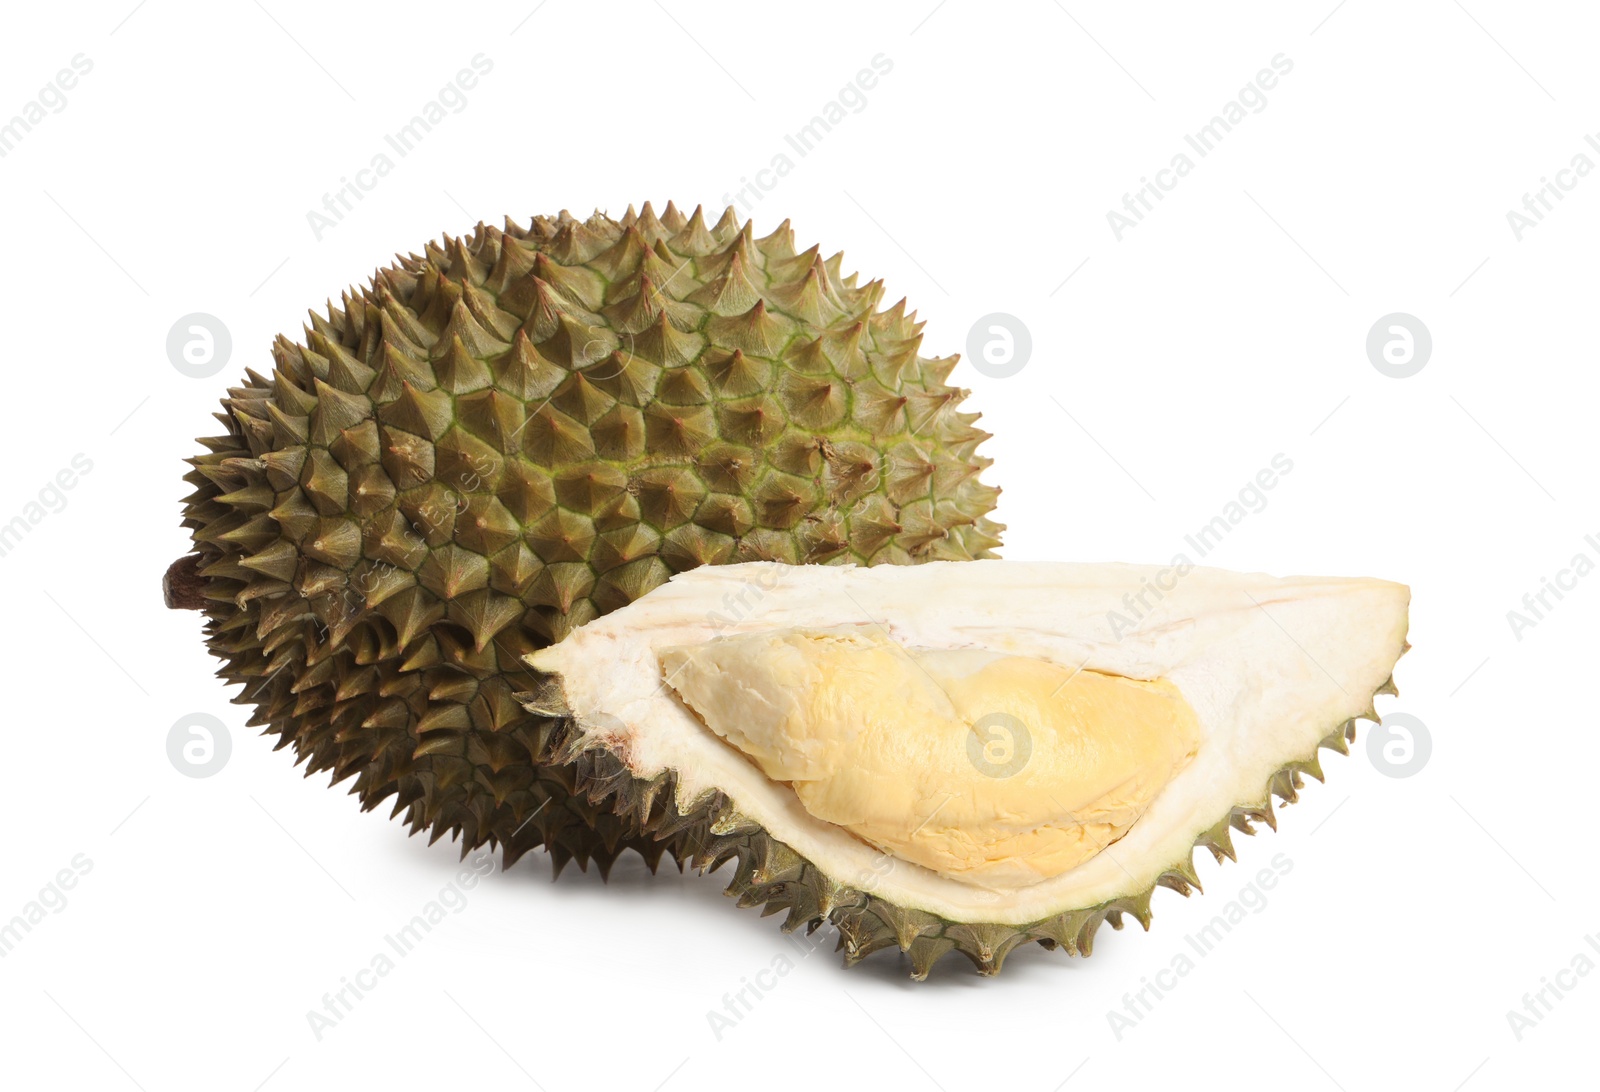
(518, 431)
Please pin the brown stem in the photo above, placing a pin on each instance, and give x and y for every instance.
(183, 587)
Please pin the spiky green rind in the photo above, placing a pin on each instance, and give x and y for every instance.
(710, 832)
(517, 431)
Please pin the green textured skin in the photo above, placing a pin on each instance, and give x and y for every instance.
(514, 432)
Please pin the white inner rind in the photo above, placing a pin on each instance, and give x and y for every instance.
(1270, 665)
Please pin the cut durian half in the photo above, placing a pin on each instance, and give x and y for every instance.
(967, 755)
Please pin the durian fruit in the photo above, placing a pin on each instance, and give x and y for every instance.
(965, 757)
(511, 434)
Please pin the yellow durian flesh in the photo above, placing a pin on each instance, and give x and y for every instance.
(993, 770)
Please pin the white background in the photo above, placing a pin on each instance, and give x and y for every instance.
(1226, 328)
